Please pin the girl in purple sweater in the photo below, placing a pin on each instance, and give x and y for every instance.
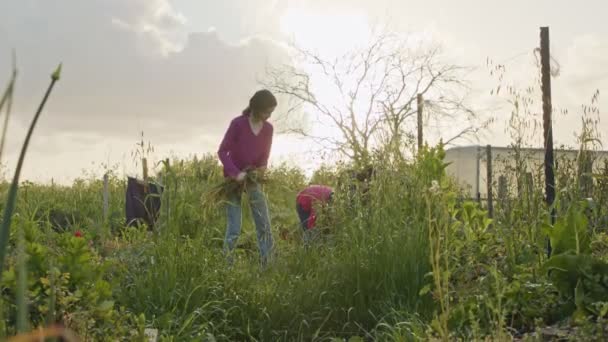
(246, 146)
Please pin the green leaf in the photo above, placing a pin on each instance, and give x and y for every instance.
(578, 278)
(106, 305)
(604, 310)
(570, 233)
(564, 272)
(579, 295)
(579, 316)
(426, 289)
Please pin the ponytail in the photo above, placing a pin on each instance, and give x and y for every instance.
(247, 111)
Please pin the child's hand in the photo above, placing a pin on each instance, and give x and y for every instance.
(241, 176)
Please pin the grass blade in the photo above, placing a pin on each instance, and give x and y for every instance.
(12, 194)
(50, 318)
(8, 97)
(22, 310)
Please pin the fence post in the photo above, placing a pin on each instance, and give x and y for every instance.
(477, 175)
(106, 198)
(420, 102)
(545, 59)
(502, 189)
(489, 180)
(144, 165)
(166, 193)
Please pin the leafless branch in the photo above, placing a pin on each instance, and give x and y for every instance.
(375, 92)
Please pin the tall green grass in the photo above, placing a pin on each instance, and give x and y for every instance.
(368, 270)
(406, 259)
(22, 316)
(372, 276)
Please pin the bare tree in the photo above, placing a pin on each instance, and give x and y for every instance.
(369, 95)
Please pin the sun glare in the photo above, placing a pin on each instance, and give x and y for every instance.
(329, 34)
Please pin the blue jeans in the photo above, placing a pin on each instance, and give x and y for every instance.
(303, 215)
(308, 234)
(261, 217)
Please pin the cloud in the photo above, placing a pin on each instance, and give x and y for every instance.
(119, 71)
(128, 66)
(234, 19)
(585, 64)
(133, 65)
(582, 65)
(583, 71)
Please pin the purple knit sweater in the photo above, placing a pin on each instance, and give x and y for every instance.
(240, 148)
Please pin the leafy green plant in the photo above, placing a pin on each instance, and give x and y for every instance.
(571, 233)
(579, 276)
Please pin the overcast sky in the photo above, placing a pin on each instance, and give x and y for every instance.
(180, 70)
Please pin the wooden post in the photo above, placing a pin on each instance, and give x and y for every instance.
(585, 169)
(502, 189)
(503, 195)
(529, 187)
(420, 102)
(489, 180)
(106, 198)
(477, 174)
(166, 194)
(144, 164)
(545, 59)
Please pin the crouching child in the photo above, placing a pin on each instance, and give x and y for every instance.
(307, 202)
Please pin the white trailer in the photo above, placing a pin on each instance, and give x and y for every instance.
(469, 167)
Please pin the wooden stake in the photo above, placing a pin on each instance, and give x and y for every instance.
(106, 198)
(477, 174)
(489, 180)
(545, 59)
(420, 102)
(144, 164)
(502, 190)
